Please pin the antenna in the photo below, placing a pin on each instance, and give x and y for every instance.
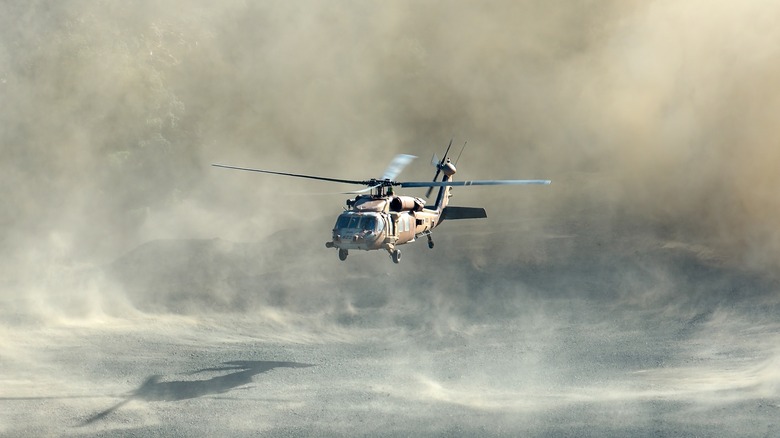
(461, 152)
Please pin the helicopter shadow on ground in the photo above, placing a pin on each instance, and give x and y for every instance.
(155, 390)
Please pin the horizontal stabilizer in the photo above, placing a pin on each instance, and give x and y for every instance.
(451, 213)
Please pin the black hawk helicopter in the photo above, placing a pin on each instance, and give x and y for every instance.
(382, 220)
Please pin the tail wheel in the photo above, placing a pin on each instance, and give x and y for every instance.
(396, 256)
(343, 253)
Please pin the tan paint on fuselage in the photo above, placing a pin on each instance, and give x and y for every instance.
(367, 203)
(400, 227)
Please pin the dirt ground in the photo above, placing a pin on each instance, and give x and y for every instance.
(657, 342)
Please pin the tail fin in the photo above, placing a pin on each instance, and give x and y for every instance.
(441, 198)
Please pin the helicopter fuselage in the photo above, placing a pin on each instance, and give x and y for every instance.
(382, 222)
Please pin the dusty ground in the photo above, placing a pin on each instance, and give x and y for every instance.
(645, 339)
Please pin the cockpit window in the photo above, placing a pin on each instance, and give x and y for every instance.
(356, 221)
(369, 223)
(343, 221)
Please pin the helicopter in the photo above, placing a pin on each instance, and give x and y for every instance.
(378, 219)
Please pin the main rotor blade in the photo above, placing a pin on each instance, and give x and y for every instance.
(296, 175)
(358, 192)
(397, 165)
(494, 182)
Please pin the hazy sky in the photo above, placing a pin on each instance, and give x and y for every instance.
(659, 114)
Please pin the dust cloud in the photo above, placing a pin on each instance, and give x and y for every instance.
(638, 289)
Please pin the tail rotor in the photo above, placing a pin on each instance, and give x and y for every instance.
(435, 162)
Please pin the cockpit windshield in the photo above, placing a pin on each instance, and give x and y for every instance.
(368, 223)
(359, 221)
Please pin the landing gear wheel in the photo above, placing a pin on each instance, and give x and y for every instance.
(396, 256)
(430, 242)
(343, 253)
